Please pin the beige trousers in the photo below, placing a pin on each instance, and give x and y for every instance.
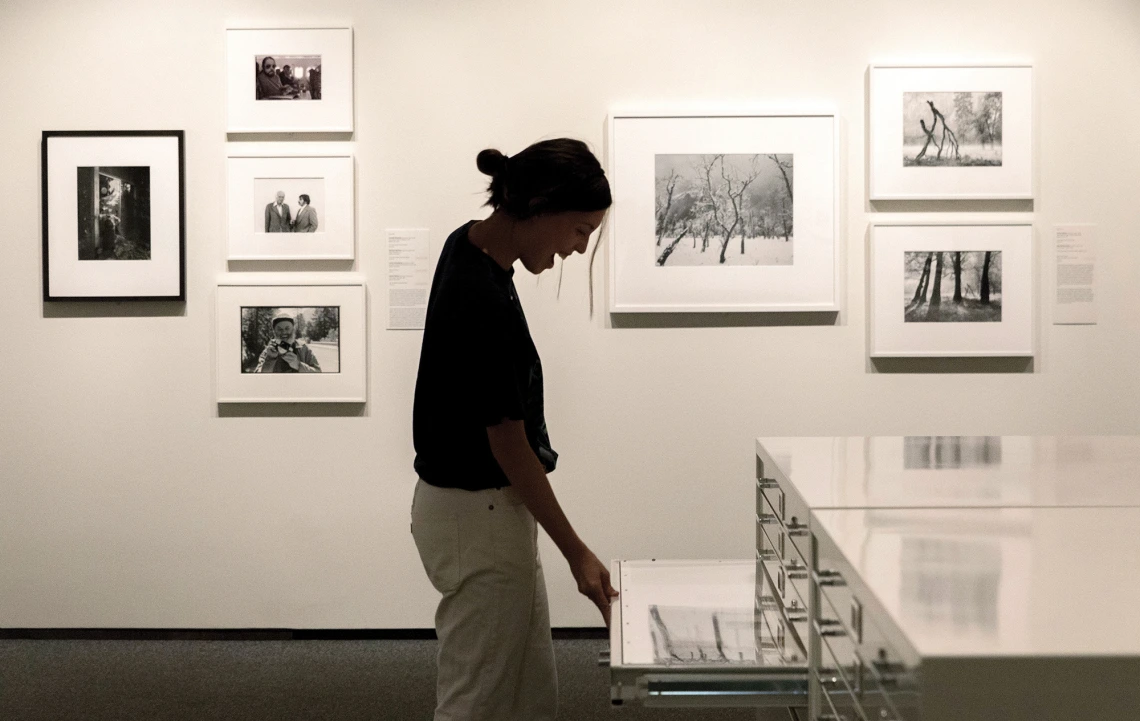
(496, 657)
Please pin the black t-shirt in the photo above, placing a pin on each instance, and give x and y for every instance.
(478, 365)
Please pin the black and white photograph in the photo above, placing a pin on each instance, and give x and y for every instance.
(691, 635)
(111, 196)
(270, 326)
(951, 132)
(727, 209)
(946, 290)
(113, 213)
(290, 340)
(952, 129)
(289, 80)
(288, 77)
(288, 205)
(728, 213)
(952, 286)
(295, 203)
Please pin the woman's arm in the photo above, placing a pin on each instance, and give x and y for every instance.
(527, 476)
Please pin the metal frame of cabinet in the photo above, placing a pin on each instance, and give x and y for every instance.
(859, 672)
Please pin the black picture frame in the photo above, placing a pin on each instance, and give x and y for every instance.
(46, 182)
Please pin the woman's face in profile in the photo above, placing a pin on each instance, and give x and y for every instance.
(558, 234)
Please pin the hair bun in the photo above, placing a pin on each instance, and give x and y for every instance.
(491, 162)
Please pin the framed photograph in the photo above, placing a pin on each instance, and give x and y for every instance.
(113, 215)
(951, 132)
(289, 80)
(952, 290)
(290, 203)
(295, 340)
(723, 213)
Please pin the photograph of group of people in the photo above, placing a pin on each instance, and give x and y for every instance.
(288, 77)
(292, 204)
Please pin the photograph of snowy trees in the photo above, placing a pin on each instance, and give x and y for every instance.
(952, 286)
(724, 209)
(952, 129)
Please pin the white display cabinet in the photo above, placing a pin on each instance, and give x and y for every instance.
(905, 578)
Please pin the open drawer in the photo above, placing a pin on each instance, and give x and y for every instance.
(693, 633)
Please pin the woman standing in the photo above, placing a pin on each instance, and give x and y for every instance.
(482, 448)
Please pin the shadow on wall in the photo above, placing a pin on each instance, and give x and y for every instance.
(722, 320)
(951, 365)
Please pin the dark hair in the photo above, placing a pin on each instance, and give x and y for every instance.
(308, 202)
(551, 176)
(268, 57)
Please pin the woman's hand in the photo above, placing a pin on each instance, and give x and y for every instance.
(271, 350)
(292, 359)
(593, 581)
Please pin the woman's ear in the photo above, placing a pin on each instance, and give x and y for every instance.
(536, 205)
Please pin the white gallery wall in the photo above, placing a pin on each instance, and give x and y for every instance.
(128, 498)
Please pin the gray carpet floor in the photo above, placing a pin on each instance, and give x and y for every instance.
(165, 680)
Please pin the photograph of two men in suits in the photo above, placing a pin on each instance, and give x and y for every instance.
(279, 217)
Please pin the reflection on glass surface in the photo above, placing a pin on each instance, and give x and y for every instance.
(690, 635)
(947, 452)
(951, 584)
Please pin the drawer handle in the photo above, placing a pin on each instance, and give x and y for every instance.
(797, 571)
(767, 519)
(795, 528)
(831, 578)
(829, 628)
(767, 483)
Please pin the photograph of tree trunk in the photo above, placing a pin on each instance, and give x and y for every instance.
(952, 129)
(724, 209)
(952, 287)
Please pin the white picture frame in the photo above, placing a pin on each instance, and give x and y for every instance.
(988, 153)
(328, 107)
(775, 278)
(323, 173)
(246, 300)
(902, 327)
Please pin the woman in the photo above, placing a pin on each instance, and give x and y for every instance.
(482, 448)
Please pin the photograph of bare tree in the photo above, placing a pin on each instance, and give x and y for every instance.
(952, 287)
(724, 210)
(952, 129)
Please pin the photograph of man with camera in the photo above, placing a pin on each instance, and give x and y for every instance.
(284, 353)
